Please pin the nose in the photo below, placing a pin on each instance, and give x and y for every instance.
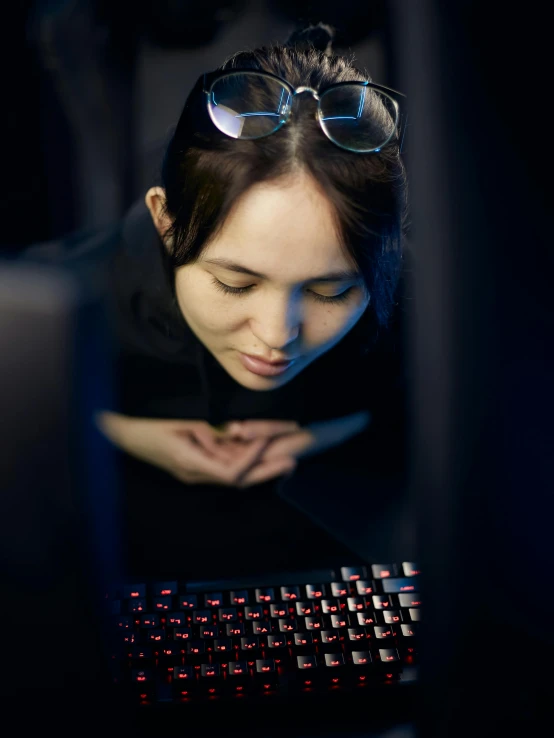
(278, 325)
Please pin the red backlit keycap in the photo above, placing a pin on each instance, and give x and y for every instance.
(382, 571)
(334, 660)
(340, 589)
(279, 610)
(164, 588)
(183, 673)
(400, 584)
(409, 599)
(315, 591)
(330, 606)
(288, 625)
(410, 568)
(188, 602)
(163, 602)
(264, 594)
(133, 591)
(175, 618)
(303, 640)
(239, 597)
(213, 599)
(227, 614)
(365, 587)
(361, 658)
(290, 593)
(306, 663)
(352, 573)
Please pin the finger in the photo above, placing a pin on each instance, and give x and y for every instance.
(293, 444)
(251, 455)
(210, 443)
(267, 470)
(248, 429)
(198, 467)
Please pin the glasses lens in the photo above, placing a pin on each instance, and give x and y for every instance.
(245, 105)
(357, 117)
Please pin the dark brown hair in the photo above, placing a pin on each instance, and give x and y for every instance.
(204, 172)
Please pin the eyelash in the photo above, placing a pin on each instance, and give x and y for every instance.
(228, 290)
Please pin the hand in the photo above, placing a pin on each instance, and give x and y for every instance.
(288, 439)
(190, 450)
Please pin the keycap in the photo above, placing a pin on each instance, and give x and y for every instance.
(182, 634)
(338, 621)
(188, 602)
(366, 618)
(380, 571)
(383, 632)
(390, 617)
(155, 634)
(333, 660)
(253, 612)
(365, 587)
(330, 637)
(303, 640)
(329, 606)
(315, 591)
(400, 584)
(239, 597)
(355, 604)
(164, 588)
(264, 594)
(291, 592)
(249, 643)
(133, 591)
(195, 647)
(223, 645)
(340, 589)
(209, 631)
(201, 617)
(163, 602)
(279, 640)
(406, 599)
(175, 618)
(137, 604)
(288, 625)
(410, 568)
(227, 614)
(304, 608)
(306, 662)
(262, 627)
(148, 620)
(380, 602)
(213, 599)
(352, 573)
(279, 610)
(235, 629)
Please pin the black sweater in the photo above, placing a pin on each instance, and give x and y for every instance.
(163, 371)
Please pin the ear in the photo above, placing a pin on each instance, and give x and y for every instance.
(155, 202)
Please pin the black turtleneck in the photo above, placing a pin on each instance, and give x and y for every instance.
(162, 370)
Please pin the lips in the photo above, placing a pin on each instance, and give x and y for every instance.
(264, 368)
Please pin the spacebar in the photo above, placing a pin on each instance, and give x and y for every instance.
(315, 576)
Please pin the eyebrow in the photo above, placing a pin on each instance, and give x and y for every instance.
(343, 275)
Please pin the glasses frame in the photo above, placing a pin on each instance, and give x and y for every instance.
(210, 79)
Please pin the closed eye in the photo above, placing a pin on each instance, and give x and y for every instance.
(228, 290)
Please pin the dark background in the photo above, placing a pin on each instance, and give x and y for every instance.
(92, 88)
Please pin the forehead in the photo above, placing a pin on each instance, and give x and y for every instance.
(281, 228)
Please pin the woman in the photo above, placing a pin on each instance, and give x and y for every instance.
(254, 295)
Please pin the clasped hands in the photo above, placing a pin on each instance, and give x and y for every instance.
(238, 453)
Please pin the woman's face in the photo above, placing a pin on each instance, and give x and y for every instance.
(274, 284)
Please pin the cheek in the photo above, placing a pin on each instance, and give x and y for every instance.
(325, 324)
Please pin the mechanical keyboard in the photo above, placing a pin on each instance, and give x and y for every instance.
(261, 646)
